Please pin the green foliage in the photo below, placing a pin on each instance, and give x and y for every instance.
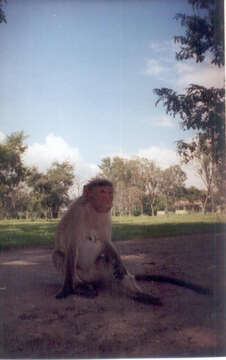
(136, 212)
(204, 32)
(171, 182)
(12, 172)
(60, 179)
(201, 108)
(141, 186)
(27, 193)
(2, 13)
(50, 190)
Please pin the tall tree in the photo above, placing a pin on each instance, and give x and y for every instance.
(12, 170)
(204, 32)
(50, 190)
(149, 175)
(60, 178)
(201, 108)
(139, 184)
(125, 177)
(2, 13)
(171, 182)
(200, 154)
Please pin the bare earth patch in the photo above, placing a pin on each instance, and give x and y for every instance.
(36, 325)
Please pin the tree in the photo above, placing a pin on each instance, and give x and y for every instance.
(38, 183)
(200, 154)
(201, 108)
(140, 184)
(12, 170)
(204, 32)
(60, 179)
(2, 14)
(124, 175)
(149, 175)
(50, 190)
(171, 182)
(194, 196)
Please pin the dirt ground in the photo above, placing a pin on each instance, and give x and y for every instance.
(36, 325)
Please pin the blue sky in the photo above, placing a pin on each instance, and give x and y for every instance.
(78, 78)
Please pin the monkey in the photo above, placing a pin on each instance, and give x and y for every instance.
(86, 256)
(83, 250)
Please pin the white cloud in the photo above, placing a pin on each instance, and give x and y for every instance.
(165, 50)
(154, 67)
(86, 170)
(164, 158)
(2, 137)
(182, 73)
(53, 149)
(202, 74)
(193, 179)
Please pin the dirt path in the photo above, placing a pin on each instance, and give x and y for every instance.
(36, 325)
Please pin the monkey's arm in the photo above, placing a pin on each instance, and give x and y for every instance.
(68, 239)
(67, 288)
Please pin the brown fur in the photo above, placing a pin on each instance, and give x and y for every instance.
(84, 252)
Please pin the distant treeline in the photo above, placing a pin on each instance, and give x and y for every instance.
(141, 187)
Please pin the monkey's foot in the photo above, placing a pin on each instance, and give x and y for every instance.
(66, 291)
(86, 290)
(147, 299)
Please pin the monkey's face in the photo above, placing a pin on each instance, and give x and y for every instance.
(101, 198)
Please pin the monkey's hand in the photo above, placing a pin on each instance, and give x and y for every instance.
(86, 290)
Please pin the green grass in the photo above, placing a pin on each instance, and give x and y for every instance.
(172, 225)
(21, 233)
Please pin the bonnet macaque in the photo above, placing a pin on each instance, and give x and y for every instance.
(86, 256)
(84, 252)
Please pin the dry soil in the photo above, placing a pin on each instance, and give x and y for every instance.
(34, 324)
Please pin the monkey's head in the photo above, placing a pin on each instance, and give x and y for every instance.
(99, 193)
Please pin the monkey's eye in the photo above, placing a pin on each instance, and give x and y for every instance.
(103, 191)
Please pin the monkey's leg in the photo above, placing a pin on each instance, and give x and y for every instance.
(111, 255)
(67, 288)
(127, 280)
(58, 260)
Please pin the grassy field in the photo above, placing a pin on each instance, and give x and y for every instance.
(23, 233)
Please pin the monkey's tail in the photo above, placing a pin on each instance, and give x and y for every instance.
(167, 279)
